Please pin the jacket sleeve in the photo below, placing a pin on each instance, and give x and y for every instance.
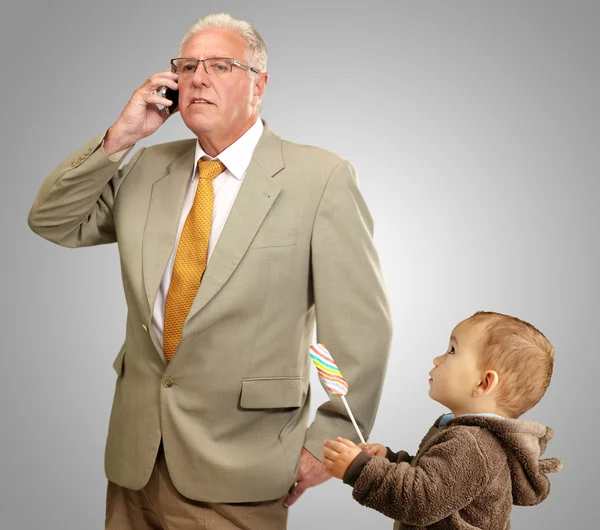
(400, 456)
(352, 312)
(447, 478)
(73, 207)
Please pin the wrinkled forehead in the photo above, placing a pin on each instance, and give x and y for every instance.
(215, 42)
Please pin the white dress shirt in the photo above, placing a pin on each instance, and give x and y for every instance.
(236, 158)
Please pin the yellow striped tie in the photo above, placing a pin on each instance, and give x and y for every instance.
(190, 260)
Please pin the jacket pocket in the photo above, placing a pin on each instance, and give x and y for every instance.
(271, 393)
(119, 360)
(275, 239)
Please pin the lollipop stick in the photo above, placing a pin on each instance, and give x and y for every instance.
(353, 420)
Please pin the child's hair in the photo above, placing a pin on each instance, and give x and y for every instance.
(520, 354)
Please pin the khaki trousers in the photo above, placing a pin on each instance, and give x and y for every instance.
(159, 506)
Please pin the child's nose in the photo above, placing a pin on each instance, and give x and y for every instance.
(437, 360)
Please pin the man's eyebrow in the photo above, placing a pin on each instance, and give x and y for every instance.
(212, 56)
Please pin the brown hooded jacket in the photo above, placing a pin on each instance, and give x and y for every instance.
(466, 475)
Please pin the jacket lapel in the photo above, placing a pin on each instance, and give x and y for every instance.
(255, 198)
(166, 203)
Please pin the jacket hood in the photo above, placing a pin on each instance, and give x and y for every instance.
(524, 443)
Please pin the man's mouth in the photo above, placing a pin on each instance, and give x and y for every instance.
(201, 102)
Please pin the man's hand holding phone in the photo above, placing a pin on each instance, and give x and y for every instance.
(171, 95)
(141, 116)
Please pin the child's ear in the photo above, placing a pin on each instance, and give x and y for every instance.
(487, 383)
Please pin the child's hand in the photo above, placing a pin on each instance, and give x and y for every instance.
(374, 449)
(338, 456)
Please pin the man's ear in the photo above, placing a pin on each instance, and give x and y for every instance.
(260, 83)
(487, 383)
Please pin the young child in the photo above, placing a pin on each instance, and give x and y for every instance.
(480, 459)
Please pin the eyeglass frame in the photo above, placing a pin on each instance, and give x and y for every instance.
(234, 62)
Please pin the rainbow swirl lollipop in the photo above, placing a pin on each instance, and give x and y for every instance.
(328, 371)
(331, 376)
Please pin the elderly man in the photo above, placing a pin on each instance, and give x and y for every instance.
(233, 246)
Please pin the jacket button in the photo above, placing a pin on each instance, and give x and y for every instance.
(145, 328)
(168, 382)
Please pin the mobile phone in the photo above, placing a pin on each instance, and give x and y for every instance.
(173, 95)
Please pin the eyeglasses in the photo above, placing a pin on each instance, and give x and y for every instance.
(215, 66)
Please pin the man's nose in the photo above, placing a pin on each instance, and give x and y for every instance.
(200, 77)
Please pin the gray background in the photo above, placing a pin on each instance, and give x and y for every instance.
(474, 129)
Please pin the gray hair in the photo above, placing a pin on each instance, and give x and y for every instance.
(257, 50)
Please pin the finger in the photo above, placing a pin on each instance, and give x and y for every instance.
(157, 82)
(165, 115)
(158, 86)
(146, 97)
(330, 444)
(338, 447)
(163, 81)
(158, 100)
(329, 453)
(167, 74)
(294, 495)
(346, 442)
(328, 463)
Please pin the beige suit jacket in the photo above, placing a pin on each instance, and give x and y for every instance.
(232, 407)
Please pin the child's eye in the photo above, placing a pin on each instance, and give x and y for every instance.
(451, 351)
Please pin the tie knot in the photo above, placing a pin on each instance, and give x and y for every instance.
(210, 169)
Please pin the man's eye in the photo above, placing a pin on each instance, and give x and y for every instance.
(188, 67)
(219, 67)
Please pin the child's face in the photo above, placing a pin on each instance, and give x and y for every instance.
(455, 374)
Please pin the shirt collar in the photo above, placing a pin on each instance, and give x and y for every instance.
(447, 417)
(238, 155)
